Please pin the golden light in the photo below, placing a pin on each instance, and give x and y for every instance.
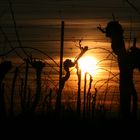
(88, 64)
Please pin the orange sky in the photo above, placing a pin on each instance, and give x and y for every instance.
(38, 23)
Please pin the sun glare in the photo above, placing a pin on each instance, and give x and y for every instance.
(88, 64)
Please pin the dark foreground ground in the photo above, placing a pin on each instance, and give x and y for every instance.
(69, 128)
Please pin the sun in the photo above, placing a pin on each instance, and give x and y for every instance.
(87, 64)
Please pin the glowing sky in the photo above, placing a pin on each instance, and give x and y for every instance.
(38, 21)
(38, 24)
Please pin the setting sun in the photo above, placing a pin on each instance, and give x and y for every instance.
(88, 64)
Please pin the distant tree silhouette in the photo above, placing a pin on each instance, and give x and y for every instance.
(127, 61)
